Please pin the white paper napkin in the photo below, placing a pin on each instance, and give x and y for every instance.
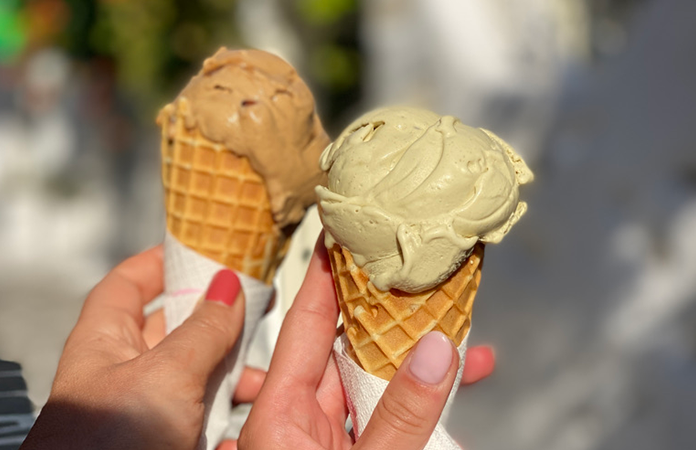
(363, 392)
(186, 278)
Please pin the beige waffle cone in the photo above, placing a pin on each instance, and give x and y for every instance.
(216, 203)
(383, 326)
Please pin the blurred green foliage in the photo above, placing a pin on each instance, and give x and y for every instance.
(336, 66)
(12, 32)
(155, 46)
(325, 12)
(134, 34)
(328, 30)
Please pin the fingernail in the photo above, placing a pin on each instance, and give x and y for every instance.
(224, 287)
(432, 358)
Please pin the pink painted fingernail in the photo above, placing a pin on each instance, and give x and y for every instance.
(432, 358)
(224, 287)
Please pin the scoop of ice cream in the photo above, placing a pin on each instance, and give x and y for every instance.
(256, 105)
(410, 193)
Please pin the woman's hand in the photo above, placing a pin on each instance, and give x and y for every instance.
(302, 404)
(116, 389)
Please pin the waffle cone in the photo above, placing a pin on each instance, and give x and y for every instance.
(383, 326)
(215, 202)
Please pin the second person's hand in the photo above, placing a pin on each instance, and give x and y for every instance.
(302, 404)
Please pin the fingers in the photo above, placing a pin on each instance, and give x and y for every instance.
(203, 340)
(308, 332)
(479, 364)
(154, 328)
(121, 295)
(330, 394)
(411, 406)
(145, 271)
(249, 385)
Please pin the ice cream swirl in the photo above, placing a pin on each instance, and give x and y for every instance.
(410, 192)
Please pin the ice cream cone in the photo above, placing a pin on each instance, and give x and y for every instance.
(383, 326)
(215, 202)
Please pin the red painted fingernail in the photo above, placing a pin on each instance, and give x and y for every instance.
(224, 287)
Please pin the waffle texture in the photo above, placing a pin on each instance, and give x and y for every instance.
(216, 203)
(383, 326)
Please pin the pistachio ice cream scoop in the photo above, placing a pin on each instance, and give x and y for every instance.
(411, 192)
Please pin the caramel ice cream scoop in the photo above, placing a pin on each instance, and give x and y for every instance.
(256, 105)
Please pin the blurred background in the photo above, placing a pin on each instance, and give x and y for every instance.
(591, 300)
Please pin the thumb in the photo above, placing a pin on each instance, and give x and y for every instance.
(411, 406)
(203, 340)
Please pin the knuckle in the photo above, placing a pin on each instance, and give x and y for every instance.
(165, 360)
(311, 314)
(402, 414)
(211, 326)
(159, 368)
